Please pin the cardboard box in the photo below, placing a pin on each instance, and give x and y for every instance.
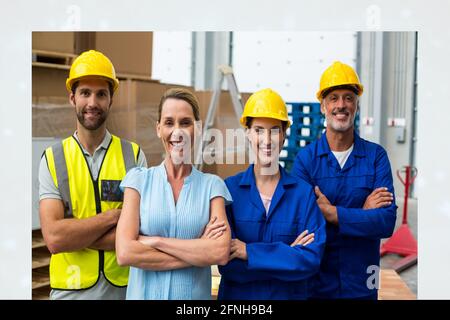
(49, 82)
(53, 120)
(52, 114)
(130, 52)
(57, 41)
(132, 121)
(135, 113)
(225, 110)
(225, 170)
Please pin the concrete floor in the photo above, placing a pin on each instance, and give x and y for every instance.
(409, 275)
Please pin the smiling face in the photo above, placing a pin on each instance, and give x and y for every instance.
(340, 107)
(266, 136)
(176, 130)
(92, 102)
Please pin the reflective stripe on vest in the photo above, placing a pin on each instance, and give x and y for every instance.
(63, 178)
(84, 197)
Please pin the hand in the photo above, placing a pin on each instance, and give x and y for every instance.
(379, 197)
(303, 239)
(238, 250)
(213, 229)
(328, 210)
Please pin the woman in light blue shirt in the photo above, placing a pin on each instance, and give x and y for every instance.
(173, 225)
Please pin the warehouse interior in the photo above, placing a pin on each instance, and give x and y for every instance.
(148, 63)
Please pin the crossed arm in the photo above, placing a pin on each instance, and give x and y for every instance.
(376, 218)
(379, 198)
(239, 248)
(160, 253)
(65, 235)
(262, 261)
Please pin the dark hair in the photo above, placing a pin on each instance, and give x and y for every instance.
(351, 87)
(248, 123)
(180, 94)
(110, 86)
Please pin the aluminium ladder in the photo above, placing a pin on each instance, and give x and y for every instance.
(224, 72)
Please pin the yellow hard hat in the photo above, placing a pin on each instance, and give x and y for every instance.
(338, 74)
(92, 63)
(265, 103)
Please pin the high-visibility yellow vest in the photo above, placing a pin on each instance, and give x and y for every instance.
(84, 197)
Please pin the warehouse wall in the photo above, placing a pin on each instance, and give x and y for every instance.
(190, 58)
(387, 68)
(289, 62)
(171, 58)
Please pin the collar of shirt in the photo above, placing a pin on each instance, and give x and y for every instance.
(248, 181)
(104, 145)
(194, 171)
(248, 178)
(324, 148)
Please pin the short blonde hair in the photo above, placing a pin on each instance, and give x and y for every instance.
(180, 94)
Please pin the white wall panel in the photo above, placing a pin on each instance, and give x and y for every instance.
(171, 58)
(289, 62)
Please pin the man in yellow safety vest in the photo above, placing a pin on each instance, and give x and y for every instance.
(80, 199)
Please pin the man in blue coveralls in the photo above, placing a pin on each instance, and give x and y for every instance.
(353, 184)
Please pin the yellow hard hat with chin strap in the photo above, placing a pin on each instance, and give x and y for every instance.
(265, 103)
(92, 63)
(337, 75)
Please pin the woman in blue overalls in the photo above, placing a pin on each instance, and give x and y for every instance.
(278, 232)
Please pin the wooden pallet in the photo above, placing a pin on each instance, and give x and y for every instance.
(40, 294)
(40, 279)
(53, 57)
(37, 241)
(53, 64)
(40, 265)
(37, 238)
(40, 259)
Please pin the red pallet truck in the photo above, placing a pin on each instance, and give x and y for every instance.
(402, 241)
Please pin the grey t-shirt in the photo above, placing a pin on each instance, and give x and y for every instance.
(47, 190)
(102, 290)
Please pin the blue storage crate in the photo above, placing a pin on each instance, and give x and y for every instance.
(308, 120)
(307, 126)
(297, 133)
(303, 107)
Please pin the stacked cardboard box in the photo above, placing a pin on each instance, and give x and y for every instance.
(133, 115)
(52, 114)
(225, 118)
(63, 42)
(130, 52)
(135, 104)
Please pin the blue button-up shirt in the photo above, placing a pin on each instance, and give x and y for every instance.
(352, 251)
(274, 269)
(159, 215)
